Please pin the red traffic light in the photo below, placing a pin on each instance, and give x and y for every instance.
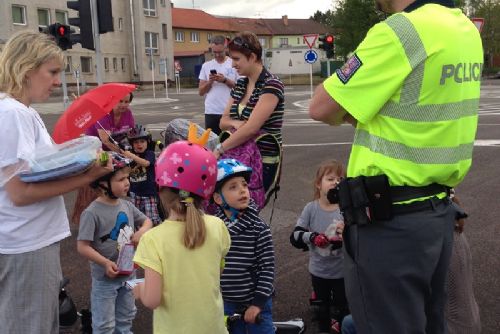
(61, 30)
(329, 39)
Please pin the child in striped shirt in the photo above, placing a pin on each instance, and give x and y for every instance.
(247, 279)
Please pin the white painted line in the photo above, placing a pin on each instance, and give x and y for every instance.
(318, 144)
(479, 142)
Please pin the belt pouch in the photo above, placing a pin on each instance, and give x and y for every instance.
(345, 203)
(378, 191)
(359, 199)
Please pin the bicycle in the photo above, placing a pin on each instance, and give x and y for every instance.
(293, 326)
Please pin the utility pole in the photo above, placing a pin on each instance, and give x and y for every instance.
(97, 42)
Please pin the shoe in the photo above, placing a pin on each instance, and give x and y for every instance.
(335, 327)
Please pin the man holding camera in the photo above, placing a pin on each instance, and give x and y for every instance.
(217, 77)
(413, 96)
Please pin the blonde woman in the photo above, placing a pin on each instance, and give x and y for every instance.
(32, 215)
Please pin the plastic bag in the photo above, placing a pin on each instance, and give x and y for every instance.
(177, 129)
(63, 160)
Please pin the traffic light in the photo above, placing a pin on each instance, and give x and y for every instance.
(105, 16)
(61, 34)
(84, 21)
(327, 45)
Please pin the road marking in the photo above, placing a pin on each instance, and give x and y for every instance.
(479, 142)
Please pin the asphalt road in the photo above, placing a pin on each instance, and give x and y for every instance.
(306, 144)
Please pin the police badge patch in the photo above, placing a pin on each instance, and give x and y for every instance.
(349, 68)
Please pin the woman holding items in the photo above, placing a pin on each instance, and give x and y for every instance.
(256, 106)
(113, 128)
(32, 215)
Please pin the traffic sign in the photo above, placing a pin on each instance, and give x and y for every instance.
(310, 39)
(478, 22)
(310, 56)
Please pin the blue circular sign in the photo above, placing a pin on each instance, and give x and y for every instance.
(310, 56)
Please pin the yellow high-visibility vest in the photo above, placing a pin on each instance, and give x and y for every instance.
(413, 84)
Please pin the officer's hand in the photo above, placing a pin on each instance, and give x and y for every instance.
(348, 118)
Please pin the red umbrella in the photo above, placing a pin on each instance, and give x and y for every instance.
(86, 110)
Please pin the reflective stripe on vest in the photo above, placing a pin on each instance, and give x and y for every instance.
(409, 109)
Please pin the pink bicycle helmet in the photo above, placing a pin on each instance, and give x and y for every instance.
(187, 166)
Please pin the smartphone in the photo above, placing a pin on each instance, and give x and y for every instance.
(214, 72)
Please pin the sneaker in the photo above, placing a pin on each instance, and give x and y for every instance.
(335, 327)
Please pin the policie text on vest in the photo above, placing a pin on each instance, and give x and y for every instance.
(461, 72)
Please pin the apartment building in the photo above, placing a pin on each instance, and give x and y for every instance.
(136, 51)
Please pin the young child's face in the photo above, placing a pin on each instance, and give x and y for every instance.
(328, 181)
(140, 145)
(235, 192)
(120, 183)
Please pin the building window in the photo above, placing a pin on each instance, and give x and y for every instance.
(262, 42)
(151, 41)
(43, 17)
(86, 64)
(123, 64)
(164, 31)
(106, 64)
(120, 23)
(162, 3)
(298, 41)
(149, 7)
(61, 17)
(195, 37)
(179, 36)
(115, 64)
(209, 37)
(19, 14)
(283, 41)
(69, 64)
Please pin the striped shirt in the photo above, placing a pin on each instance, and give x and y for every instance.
(248, 274)
(267, 83)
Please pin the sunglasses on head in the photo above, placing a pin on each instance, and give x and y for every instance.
(239, 41)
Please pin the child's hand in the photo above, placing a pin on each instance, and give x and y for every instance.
(146, 226)
(340, 227)
(137, 236)
(251, 314)
(319, 240)
(111, 269)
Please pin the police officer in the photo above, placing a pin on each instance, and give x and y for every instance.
(411, 89)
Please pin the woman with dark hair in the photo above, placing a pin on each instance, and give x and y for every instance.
(255, 108)
(116, 124)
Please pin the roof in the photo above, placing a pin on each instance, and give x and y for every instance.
(295, 26)
(257, 26)
(196, 19)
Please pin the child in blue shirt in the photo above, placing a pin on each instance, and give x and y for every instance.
(143, 189)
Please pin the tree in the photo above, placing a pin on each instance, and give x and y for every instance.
(490, 11)
(349, 21)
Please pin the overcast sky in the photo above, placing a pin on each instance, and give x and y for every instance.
(295, 9)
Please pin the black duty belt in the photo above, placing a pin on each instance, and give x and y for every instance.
(364, 199)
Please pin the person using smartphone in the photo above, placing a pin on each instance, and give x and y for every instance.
(217, 77)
